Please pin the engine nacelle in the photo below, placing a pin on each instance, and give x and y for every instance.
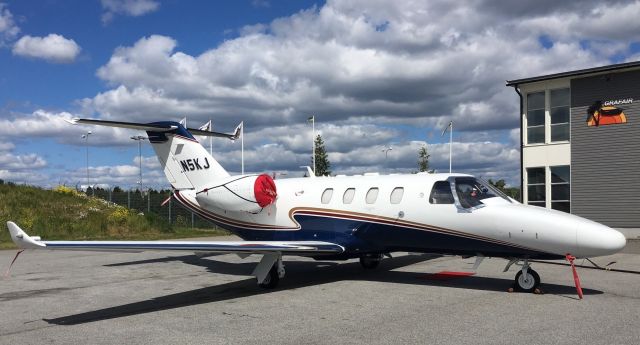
(250, 193)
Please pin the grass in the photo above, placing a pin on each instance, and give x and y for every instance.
(64, 214)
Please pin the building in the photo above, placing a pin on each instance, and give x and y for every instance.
(580, 142)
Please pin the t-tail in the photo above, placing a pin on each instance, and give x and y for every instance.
(186, 163)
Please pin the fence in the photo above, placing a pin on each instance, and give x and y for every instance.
(150, 201)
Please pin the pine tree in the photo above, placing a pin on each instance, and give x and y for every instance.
(423, 159)
(322, 159)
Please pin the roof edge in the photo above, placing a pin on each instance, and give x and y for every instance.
(579, 72)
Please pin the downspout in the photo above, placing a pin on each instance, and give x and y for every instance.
(515, 87)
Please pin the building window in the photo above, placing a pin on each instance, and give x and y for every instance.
(347, 197)
(441, 193)
(396, 195)
(560, 103)
(372, 195)
(535, 118)
(561, 188)
(536, 186)
(326, 195)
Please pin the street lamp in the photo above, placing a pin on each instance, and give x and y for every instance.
(386, 151)
(450, 128)
(86, 141)
(312, 119)
(139, 139)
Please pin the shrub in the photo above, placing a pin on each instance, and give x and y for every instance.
(65, 190)
(119, 215)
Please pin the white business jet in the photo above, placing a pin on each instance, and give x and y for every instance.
(344, 217)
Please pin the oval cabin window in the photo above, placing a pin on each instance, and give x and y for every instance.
(396, 195)
(326, 195)
(347, 198)
(372, 195)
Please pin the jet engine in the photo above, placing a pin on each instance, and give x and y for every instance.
(250, 193)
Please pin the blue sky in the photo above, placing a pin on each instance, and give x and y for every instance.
(375, 74)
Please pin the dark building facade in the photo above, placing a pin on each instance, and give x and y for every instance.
(580, 148)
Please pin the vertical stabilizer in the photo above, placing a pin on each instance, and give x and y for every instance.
(186, 163)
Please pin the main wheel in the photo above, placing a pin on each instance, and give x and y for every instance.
(272, 279)
(370, 262)
(527, 282)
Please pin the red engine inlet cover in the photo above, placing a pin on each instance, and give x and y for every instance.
(265, 190)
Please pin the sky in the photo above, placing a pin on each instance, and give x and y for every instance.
(375, 74)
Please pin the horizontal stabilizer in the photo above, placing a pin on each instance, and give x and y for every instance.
(151, 127)
(131, 125)
(22, 240)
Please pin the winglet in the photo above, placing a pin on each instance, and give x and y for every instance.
(73, 121)
(21, 239)
(238, 131)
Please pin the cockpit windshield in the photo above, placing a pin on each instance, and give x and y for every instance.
(471, 191)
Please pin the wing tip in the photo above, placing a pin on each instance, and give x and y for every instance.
(21, 239)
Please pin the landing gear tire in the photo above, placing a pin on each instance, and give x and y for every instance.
(370, 262)
(272, 279)
(527, 282)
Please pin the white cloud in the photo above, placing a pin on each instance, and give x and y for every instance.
(53, 48)
(23, 168)
(6, 146)
(8, 28)
(21, 162)
(133, 8)
(393, 61)
(47, 124)
(373, 72)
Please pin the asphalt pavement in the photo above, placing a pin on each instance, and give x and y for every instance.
(178, 298)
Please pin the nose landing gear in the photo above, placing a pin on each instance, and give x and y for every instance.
(527, 280)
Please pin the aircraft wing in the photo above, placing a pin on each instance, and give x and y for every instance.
(303, 248)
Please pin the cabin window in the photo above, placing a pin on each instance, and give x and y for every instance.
(536, 192)
(372, 195)
(326, 195)
(535, 118)
(561, 188)
(396, 195)
(347, 197)
(441, 193)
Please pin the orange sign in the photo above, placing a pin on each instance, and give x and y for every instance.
(600, 115)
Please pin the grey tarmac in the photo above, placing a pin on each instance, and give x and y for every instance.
(178, 298)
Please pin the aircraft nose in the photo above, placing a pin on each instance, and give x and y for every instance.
(595, 239)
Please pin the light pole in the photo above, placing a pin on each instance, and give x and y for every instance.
(312, 119)
(386, 151)
(139, 139)
(450, 128)
(86, 141)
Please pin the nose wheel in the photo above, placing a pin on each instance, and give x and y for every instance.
(527, 281)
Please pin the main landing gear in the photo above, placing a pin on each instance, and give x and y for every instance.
(527, 280)
(370, 261)
(269, 271)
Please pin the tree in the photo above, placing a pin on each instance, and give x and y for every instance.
(322, 160)
(500, 184)
(423, 159)
(513, 192)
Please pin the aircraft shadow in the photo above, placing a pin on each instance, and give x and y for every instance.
(299, 275)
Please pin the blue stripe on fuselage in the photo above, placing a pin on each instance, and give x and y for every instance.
(360, 236)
